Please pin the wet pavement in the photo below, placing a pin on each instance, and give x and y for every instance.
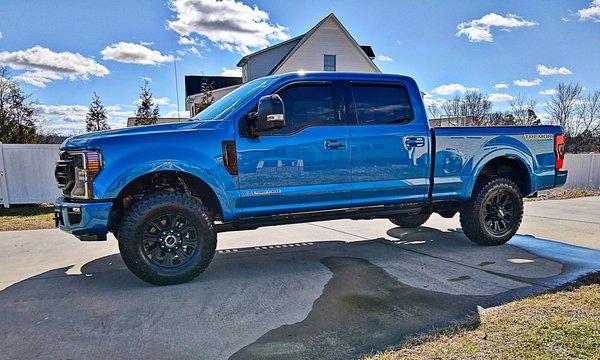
(337, 289)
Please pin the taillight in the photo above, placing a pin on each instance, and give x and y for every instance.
(230, 157)
(559, 151)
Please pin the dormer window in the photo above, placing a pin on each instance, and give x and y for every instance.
(329, 62)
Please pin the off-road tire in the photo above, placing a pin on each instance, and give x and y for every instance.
(472, 214)
(410, 221)
(131, 238)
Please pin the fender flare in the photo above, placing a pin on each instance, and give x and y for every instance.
(526, 159)
(139, 170)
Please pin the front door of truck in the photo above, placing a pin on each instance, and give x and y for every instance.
(390, 144)
(303, 166)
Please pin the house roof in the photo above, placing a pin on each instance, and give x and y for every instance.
(366, 50)
(193, 83)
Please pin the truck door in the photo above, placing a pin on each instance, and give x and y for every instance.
(303, 166)
(390, 144)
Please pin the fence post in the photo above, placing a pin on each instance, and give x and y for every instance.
(3, 181)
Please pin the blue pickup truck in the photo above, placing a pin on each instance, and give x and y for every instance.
(293, 148)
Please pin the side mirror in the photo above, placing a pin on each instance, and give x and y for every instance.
(270, 115)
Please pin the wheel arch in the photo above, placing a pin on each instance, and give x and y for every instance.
(514, 166)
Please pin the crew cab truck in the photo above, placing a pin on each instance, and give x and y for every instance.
(293, 148)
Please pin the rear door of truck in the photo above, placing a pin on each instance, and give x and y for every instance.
(390, 142)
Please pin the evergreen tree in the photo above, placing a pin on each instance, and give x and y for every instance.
(206, 97)
(146, 113)
(95, 120)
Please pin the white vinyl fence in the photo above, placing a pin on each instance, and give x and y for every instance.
(584, 171)
(27, 173)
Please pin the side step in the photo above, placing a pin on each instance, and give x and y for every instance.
(370, 212)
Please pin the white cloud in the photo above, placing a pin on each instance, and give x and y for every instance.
(183, 40)
(499, 97)
(428, 99)
(544, 70)
(548, 92)
(193, 50)
(43, 65)
(146, 79)
(134, 54)
(384, 58)
(174, 114)
(232, 25)
(237, 72)
(1, 35)
(70, 119)
(590, 13)
(449, 89)
(65, 113)
(398, 42)
(527, 83)
(501, 85)
(481, 29)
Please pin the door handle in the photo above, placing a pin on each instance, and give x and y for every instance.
(334, 144)
(414, 141)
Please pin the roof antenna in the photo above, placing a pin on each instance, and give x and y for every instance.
(176, 88)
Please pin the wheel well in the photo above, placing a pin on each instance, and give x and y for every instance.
(165, 181)
(506, 167)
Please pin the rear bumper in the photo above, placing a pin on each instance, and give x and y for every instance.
(87, 221)
(561, 178)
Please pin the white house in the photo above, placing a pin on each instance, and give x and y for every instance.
(328, 46)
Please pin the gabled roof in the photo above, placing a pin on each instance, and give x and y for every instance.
(365, 50)
(193, 83)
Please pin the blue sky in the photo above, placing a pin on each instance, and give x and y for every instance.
(63, 51)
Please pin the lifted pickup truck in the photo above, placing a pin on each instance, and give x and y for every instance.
(293, 148)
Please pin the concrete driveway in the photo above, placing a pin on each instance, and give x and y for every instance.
(336, 289)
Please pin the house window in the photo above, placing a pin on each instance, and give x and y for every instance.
(329, 63)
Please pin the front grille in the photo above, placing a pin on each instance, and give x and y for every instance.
(65, 172)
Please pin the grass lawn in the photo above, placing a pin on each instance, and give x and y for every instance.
(562, 324)
(26, 218)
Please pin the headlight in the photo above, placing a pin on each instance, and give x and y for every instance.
(86, 165)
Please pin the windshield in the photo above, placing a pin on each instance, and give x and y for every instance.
(220, 109)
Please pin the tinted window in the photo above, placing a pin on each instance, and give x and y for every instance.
(381, 104)
(329, 63)
(307, 105)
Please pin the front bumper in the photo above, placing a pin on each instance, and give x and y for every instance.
(88, 221)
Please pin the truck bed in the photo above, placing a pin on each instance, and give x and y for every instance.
(460, 152)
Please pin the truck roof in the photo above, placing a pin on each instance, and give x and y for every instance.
(334, 75)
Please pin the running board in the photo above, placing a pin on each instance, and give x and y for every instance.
(369, 212)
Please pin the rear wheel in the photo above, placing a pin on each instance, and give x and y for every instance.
(167, 238)
(494, 215)
(409, 222)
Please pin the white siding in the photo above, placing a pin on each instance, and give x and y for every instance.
(261, 64)
(331, 40)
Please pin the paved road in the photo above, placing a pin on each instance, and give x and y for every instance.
(335, 289)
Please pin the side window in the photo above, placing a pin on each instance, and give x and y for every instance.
(307, 105)
(329, 62)
(381, 104)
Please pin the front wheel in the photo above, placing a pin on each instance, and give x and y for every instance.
(494, 214)
(167, 238)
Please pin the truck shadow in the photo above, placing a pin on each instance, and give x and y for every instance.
(328, 299)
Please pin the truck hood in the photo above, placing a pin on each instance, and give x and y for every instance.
(87, 140)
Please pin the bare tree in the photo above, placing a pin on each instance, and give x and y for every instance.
(589, 113)
(206, 97)
(476, 106)
(562, 107)
(522, 109)
(433, 110)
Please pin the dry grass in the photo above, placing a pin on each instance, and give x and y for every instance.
(561, 193)
(26, 218)
(563, 324)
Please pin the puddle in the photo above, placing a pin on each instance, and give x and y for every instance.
(362, 309)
